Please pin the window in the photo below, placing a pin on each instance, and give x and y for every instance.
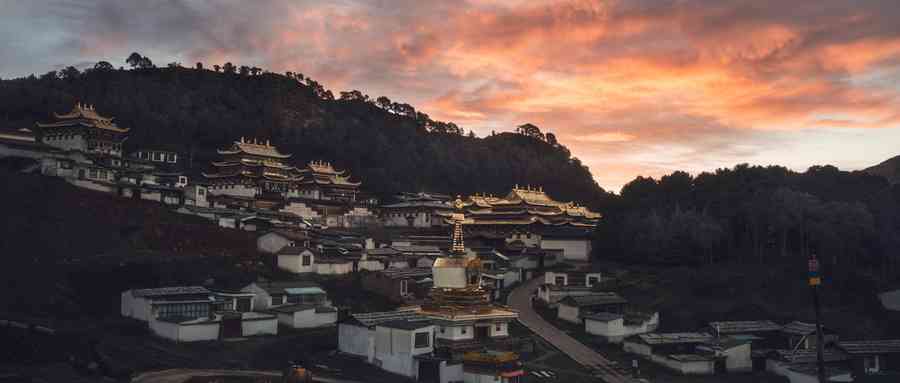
(443, 330)
(559, 281)
(157, 156)
(171, 157)
(277, 300)
(422, 340)
(592, 281)
(404, 287)
(528, 235)
(201, 192)
(465, 330)
(307, 260)
(65, 164)
(498, 327)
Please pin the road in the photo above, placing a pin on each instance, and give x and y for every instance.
(520, 299)
(180, 375)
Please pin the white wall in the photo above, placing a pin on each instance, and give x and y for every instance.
(371, 265)
(233, 190)
(135, 307)
(334, 268)
(294, 263)
(738, 359)
(568, 313)
(356, 340)
(186, 333)
(394, 349)
(300, 209)
(453, 277)
(259, 327)
(307, 319)
(573, 249)
(616, 330)
(451, 373)
(455, 332)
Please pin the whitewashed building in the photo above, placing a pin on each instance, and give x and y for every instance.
(613, 328)
(306, 315)
(297, 259)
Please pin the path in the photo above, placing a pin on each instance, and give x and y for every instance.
(520, 299)
(180, 375)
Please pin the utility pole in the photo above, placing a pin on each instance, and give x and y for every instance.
(814, 281)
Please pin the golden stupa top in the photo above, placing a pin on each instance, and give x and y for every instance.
(86, 115)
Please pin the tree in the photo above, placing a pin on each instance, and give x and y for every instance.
(69, 73)
(289, 74)
(50, 76)
(530, 130)
(353, 95)
(244, 70)
(255, 71)
(228, 68)
(103, 66)
(174, 64)
(199, 66)
(383, 103)
(134, 59)
(216, 67)
(146, 63)
(551, 139)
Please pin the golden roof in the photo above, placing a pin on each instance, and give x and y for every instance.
(84, 115)
(254, 147)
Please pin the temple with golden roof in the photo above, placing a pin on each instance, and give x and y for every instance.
(528, 218)
(83, 129)
(254, 168)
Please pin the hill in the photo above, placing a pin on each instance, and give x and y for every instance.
(390, 146)
(889, 169)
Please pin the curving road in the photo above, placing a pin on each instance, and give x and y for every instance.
(520, 299)
(180, 375)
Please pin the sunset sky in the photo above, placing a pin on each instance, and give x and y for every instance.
(631, 87)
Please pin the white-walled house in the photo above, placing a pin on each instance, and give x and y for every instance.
(188, 314)
(550, 295)
(177, 301)
(269, 294)
(297, 259)
(613, 328)
(573, 308)
(572, 278)
(390, 340)
(306, 315)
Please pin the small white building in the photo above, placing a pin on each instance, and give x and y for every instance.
(550, 295)
(297, 259)
(181, 329)
(163, 302)
(572, 278)
(572, 308)
(306, 315)
(613, 328)
(269, 294)
(390, 340)
(334, 266)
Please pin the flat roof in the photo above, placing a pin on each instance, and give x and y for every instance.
(856, 347)
(675, 338)
(169, 291)
(737, 327)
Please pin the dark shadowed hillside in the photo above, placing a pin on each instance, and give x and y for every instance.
(388, 145)
(889, 169)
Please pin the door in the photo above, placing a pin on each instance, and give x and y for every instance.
(243, 305)
(429, 371)
(231, 326)
(482, 332)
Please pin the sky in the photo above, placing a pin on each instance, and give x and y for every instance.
(631, 87)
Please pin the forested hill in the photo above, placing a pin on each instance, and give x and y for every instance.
(388, 145)
(889, 169)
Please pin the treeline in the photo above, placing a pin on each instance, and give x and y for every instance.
(850, 220)
(389, 145)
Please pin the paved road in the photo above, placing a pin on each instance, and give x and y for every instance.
(180, 375)
(520, 299)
